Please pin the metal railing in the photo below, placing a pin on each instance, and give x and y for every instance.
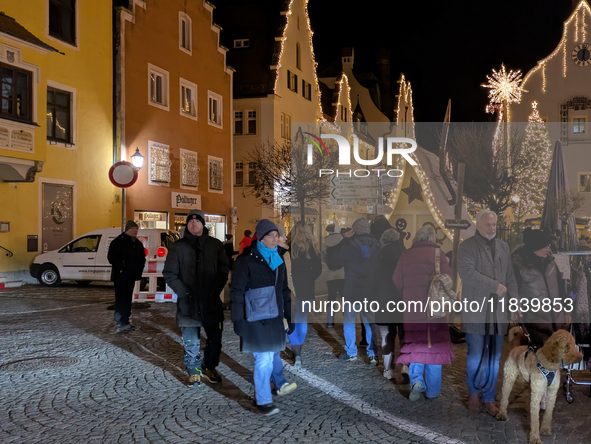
(8, 252)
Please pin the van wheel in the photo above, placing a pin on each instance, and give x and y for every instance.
(83, 283)
(49, 276)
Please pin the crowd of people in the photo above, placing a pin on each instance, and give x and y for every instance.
(274, 275)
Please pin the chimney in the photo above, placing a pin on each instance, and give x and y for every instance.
(347, 55)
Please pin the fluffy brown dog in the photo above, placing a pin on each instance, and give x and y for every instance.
(559, 347)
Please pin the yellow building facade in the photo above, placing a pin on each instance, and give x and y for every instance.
(56, 127)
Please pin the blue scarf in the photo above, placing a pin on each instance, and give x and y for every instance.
(270, 255)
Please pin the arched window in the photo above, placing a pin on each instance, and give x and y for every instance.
(298, 56)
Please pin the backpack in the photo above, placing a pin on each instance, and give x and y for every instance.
(440, 289)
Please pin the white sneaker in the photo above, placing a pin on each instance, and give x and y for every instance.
(287, 388)
(389, 374)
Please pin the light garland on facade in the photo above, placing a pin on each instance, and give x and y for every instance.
(577, 27)
(544, 78)
(405, 92)
(314, 64)
(564, 59)
(582, 8)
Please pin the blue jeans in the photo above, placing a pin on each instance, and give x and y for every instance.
(431, 381)
(267, 365)
(277, 377)
(479, 369)
(192, 344)
(300, 318)
(349, 317)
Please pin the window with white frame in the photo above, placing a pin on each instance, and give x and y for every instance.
(285, 126)
(579, 125)
(239, 174)
(188, 99)
(157, 87)
(215, 110)
(252, 169)
(61, 114)
(185, 34)
(238, 122)
(241, 43)
(159, 163)
(251, 127)
(216, 174)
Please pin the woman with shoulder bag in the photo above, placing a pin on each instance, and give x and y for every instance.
(260, 303)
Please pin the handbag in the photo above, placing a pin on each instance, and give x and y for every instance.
(261, 303)
(440, 289)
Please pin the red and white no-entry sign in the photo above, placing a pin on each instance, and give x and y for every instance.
(123, 174)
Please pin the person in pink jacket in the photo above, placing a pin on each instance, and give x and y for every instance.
(427, 344)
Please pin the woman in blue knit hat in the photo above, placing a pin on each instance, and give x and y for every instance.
(260, 303)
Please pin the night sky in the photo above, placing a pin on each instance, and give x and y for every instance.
(445, 50)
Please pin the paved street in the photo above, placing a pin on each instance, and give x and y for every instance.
(66, 377)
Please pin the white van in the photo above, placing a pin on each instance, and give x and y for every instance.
(85, 259)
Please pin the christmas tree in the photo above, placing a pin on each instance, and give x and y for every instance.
(533, 176)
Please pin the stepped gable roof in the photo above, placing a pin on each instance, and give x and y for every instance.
(261, 23)
(11, 27)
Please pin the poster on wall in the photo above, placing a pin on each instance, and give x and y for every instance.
(58, 216)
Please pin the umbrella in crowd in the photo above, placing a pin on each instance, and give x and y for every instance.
(557, 190)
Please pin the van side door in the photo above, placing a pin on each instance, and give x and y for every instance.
(79, 258)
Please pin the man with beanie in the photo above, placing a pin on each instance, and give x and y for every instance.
(335, 279)
(538, 278)
(487, 277)
(356, 253)
(127, 258)
(262, 272)
(197, 268)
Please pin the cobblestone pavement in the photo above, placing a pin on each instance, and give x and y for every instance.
(66, 377)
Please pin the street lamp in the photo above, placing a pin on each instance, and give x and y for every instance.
(137, 159)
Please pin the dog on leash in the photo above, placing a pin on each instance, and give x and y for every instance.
(541, 369)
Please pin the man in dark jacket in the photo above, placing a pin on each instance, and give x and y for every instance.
(196, 268)
(127, 258)
(357, 252)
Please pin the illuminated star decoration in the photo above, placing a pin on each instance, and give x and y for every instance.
(413, 191)
(505, 87)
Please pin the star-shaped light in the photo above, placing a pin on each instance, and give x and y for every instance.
(505, 87)
(413, 191)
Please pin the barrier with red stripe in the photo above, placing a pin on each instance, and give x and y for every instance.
(154, 268)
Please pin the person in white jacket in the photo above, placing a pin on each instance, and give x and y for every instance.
(335, 280)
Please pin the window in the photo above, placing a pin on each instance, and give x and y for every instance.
(239, 174)
(216, 174)
(185, 35)
(189, 170)
(252, 122)
(252, 169)
(584, 182)
(214, 109)
(343, 113)
(188, 99)
(62, 20)
(242, 43)
(306, 90)
(298, 56)
(88, 244)
(292, 81)
(159, 164)
(157, 87)
(17, 93)
(285, 126)
(59, 105)
(298, 22)
(579, 125)
(238, 122)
